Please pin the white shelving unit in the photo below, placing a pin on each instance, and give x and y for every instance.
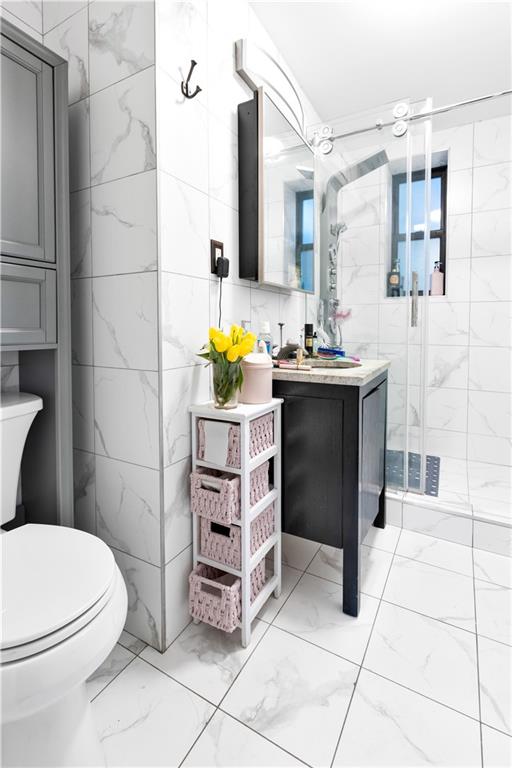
(243, 415)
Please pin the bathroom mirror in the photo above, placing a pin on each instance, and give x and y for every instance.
(276, 198)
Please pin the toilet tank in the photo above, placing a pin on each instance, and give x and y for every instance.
(17, 412)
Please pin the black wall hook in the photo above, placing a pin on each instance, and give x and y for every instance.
(184, 84)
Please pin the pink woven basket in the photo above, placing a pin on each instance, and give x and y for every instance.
(222, 543)
(216, 495)
(215, 597)
(261, 438)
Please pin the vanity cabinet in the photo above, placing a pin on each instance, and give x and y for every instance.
(28, 305)
(333, 466)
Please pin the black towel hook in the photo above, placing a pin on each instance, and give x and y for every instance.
(184, 84)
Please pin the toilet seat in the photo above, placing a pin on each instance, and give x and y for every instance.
(60, 579)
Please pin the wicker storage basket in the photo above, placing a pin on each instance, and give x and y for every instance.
(222, 543)
(215, 596)
(216, 495)
(261, 438)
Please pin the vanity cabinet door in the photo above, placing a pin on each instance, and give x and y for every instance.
(27, 209)
(28, 305)
(312, 468)
(373, 455)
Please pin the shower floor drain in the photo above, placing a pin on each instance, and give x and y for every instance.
(395, 471)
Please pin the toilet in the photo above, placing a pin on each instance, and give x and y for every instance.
(64, 605)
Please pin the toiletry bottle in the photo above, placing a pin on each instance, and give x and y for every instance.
(437, 281)
(315, 345)
(264, 335)
(308, 339)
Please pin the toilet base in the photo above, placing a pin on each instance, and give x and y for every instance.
(61, 736)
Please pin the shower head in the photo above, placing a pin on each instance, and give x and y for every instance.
(353, 172)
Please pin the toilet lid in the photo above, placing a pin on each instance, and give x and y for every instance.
(51, 575)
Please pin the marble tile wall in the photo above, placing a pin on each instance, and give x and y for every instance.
(109, 47)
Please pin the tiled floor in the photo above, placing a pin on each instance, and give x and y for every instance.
(421, 677)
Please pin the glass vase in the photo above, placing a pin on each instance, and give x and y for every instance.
(226, 382)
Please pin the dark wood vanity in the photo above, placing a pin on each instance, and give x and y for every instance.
(333, 459)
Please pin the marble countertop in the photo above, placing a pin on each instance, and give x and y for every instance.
(355, 377)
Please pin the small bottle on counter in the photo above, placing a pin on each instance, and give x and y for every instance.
(308, 339)
(265, 335)
(315, 345)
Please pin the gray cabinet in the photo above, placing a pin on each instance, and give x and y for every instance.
(27, 208)
(28, 305)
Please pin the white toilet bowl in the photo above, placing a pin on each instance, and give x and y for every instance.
(64, 606)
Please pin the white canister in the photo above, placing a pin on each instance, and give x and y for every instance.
(257, 385)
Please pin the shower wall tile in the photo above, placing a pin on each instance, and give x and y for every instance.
(458, 236)
(126, 415)
(492, 234)
(490, 368)
(79, 159)
(441, 442)
(447, 409)
(121, 40)
(448, 367)
(360, 284)
(181, 387)
(458, 279)
(177, 515)
(70, 40)
(184, 240)
(361, 246)
(449, 323)
(84, 491)
(493, 538)
(183, 332)
(177, 615)
(28, 11)
(123, 222)
(123, 128)
(459, 192)
(125, 321)
(362, 207)
(492, 187)
(81, 321)
(493, 143)
(490, 413)
(128, 508)
(458, 141)
(80, 233)
(143, 583)
(491, 450)
(392, 322)
(491, 278)
(83, 407)
(490, 324)
(56, 11)
(182, 134)
(490, 481)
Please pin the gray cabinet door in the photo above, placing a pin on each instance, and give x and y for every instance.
(27, 210)
(28, 305)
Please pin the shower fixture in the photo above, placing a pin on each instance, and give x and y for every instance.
(329, 238)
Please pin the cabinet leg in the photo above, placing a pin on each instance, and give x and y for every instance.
(380, 520)
(351, 568)
(277, 592)
(196, 621)
(246, 635)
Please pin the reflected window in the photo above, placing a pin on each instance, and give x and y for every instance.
(305, 227)
(397, 284)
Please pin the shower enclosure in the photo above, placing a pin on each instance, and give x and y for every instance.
(415, 268)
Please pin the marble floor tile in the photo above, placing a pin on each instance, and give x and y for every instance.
(289, 578)
(383, 538)
(428, 656)
(493, 611)
(402, 728)
(294, 694)
(497, 748)
(298, 552)
(115, 662)
(435, 592)
(226, 743)
(131, 642)
(204, 659)
(494, 568)
(146, 719)
(444, 554)
(314, 613)
(375, 565)
(495, 668)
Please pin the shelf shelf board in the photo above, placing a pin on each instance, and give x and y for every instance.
(220, 467)
(262, 457)
(243, 412)
(219, 566)
(262, 504)
(262, 551)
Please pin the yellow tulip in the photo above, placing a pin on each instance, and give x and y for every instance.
(221, 342)
(233, 353)
(246, 347)
(212, 333)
